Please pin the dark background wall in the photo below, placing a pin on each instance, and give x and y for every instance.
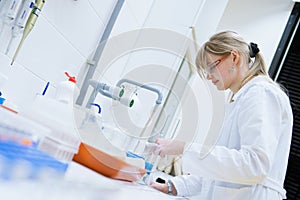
(285, 69)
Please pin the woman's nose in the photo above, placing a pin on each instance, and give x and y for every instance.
(208, 76)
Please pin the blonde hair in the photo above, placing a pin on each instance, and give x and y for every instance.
(223, 43)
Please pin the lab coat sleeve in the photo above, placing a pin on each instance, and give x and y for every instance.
(187, 185)
(259, 129)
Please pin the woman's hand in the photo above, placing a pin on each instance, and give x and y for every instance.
(163, 187)
(170, 147)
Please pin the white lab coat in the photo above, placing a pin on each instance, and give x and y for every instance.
(250, 158)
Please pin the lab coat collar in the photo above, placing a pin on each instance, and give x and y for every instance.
(253, 81)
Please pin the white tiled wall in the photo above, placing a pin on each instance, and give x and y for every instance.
(67, 33)
(259, 21)
(64, 35)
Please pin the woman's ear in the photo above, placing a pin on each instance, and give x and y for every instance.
(235, 57)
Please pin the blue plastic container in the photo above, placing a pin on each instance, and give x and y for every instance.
(15, 156)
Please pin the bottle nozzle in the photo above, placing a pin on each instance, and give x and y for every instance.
(71, 78)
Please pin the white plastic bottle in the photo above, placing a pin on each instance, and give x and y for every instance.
(57, 114)
(67, 90)
(93, 115)
(3, 80)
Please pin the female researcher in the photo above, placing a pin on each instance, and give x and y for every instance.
(250, 158)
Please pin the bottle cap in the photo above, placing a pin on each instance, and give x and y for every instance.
(2, 100)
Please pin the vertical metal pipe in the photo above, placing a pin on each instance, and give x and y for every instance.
(94, 62)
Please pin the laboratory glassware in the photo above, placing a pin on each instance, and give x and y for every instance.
(29, 24)
(20, 21)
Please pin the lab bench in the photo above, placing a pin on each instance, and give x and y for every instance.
(79, 183)
(114, 189)
(51, 177)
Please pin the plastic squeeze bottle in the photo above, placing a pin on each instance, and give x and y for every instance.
(66, 90)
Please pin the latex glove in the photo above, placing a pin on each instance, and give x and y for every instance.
(166, 164)
(170, 147)
(151, 148)
(177, 166)
(171, 164)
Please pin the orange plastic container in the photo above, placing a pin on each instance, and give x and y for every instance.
(106, 164)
